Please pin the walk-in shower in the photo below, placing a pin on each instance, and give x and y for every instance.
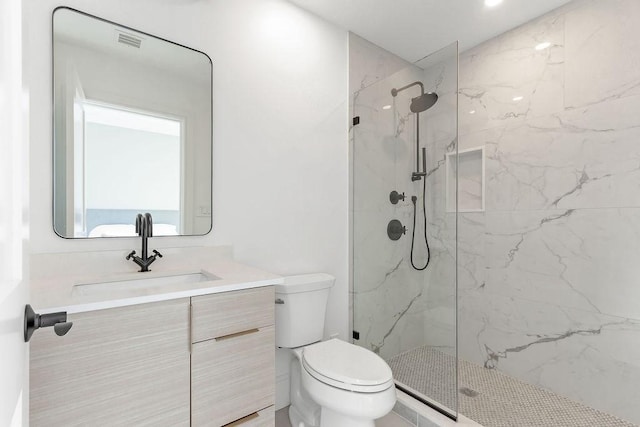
(404, 290)
(529, 218)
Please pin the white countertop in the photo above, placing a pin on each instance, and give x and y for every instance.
(58, 292)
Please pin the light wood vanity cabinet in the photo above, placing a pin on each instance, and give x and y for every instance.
(233, 358)
(125, 366)
(200, 361)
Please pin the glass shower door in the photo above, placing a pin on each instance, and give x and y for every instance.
(404, 266)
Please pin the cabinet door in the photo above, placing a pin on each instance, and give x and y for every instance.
(126, 366)
(232, 377)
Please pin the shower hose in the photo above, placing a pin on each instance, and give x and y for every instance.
(414, 199)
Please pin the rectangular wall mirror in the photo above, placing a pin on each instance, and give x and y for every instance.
(132, 130)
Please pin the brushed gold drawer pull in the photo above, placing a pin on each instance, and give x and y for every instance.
(242, 420)
(237, 334)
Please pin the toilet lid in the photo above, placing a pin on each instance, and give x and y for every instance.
(347, 366)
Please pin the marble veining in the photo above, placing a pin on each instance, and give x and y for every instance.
(547, 274)
(521, 236)
(398, 316)
(493, 357)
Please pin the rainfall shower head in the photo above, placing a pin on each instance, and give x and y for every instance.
(423, 102)
(420, 103)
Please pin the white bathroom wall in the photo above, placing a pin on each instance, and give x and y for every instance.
(280, 132)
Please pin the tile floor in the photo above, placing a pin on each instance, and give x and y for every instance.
(492, 398)
(489, 397)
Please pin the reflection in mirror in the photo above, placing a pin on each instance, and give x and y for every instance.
(132, 130)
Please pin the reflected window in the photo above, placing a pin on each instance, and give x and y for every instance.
(126, 162)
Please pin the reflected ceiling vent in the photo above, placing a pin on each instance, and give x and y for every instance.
(129, 39)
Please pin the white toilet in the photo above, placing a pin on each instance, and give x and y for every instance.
(333, 383)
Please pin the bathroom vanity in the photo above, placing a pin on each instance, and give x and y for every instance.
(199, 353)
(191, 342)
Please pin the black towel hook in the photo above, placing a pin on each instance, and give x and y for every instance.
(33, 321)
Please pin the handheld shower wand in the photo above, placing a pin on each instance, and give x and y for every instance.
(414, 200)
(417, 176)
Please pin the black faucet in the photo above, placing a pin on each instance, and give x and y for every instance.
(144, 228)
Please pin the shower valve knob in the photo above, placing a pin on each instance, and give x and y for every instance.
(395, 229)
(394, 197)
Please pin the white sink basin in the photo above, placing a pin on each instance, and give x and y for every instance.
(150, 284)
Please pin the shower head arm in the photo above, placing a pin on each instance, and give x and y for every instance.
(395, 92)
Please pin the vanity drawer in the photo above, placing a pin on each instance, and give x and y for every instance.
(226, 313)
(233, 377)
(264, 418)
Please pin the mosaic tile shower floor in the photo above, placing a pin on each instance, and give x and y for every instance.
(491, 398)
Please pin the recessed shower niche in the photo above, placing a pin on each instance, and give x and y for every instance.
(468, 166)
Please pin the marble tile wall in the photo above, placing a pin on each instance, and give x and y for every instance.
(548, 278)
(549, 283)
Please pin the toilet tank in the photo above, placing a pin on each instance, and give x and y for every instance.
(301, 304)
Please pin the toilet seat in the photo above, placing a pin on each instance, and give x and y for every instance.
(347, 366)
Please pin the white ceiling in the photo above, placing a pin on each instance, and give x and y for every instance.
(414, 28)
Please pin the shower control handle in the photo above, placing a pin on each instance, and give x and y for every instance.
(394, 197)
(395, 229)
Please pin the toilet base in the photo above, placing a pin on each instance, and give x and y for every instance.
(331, 418)
(303, 412)
(296, 419)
